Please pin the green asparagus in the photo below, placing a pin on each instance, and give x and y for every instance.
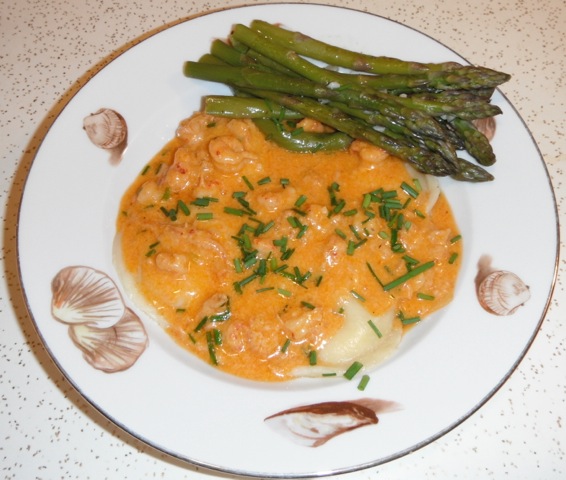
(419, 112)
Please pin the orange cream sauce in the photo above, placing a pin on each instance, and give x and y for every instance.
(249, 251)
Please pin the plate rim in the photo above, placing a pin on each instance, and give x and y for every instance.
(139, 40)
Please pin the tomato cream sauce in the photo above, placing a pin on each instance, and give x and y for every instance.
(266, 263)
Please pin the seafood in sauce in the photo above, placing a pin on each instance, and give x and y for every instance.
(271, 264)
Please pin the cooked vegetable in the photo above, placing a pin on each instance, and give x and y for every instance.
(419, 112)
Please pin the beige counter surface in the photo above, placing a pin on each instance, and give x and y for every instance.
(48, 51)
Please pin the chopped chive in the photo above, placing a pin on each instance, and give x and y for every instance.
(340, 233)
(203, 201)
(363, 383)
(286, 345)
(456, 239)
(308, 305)
(247, 182)
(150, 252)
(349, 213)
(409, 190)
(425, 296)
(201, 324)
(166, 194)
(366, 200)
(339, 206)
(452, 258)
(234, 211)
(352, 370)
(192, 339)
(302, 231)
(312, 357)
(383, 235)
(417, 184)
(373, 274)
(211, 347)
(357, 296)
(284, 182)
(329, 374)
(183, 207)
(420, 214)
(283, 292)
(265, 289)
(180, 310)
(408, 320)
(205, 216)
(217, 337)
(351, 247)
(302, 199)
(374, 328)
(145, 170)
(407, 276)
(318, 280)
(294, 222)
(264, 180)
(410, 260)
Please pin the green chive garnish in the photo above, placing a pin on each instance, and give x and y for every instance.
(247, 182)
(353, 370)
(374, 328)
(205, 216)
(407, 276)
(286, 345)
(425, 296)
(452, 258)
(312, 357)
(363, 383)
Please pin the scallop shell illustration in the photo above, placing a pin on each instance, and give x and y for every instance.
(110, 335)
(83, 295)
(107, 129)
(111, 349)
(502, 292)
(314, 425)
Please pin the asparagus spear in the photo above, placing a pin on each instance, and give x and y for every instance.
(423, 160)
(308, 46)
(304, 45)
(246, 77)
(475, 142)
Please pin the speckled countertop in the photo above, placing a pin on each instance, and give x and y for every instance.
(50, 48)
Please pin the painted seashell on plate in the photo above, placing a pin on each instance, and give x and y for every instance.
(111, 349)
(107, 129)
(502, 292)
(487, 126)
(314, 425)
(86, 296)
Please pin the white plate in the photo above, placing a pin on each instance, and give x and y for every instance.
(446, 368)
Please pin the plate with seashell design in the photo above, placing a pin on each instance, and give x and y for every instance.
(127, 367)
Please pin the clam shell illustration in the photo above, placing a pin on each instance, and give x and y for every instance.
(110, 335)
(107, 129)
(487, 126)
(500, 292)
(314, 425)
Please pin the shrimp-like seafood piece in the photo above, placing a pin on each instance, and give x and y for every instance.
(314, 126)
(217, 304)
(242, 130)
(306, 326)
(184, 171)
(228, 153)
(193, 129)
(171, 262)
(149, 193)
(274, 201)
(368, 152)
(258, 334)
